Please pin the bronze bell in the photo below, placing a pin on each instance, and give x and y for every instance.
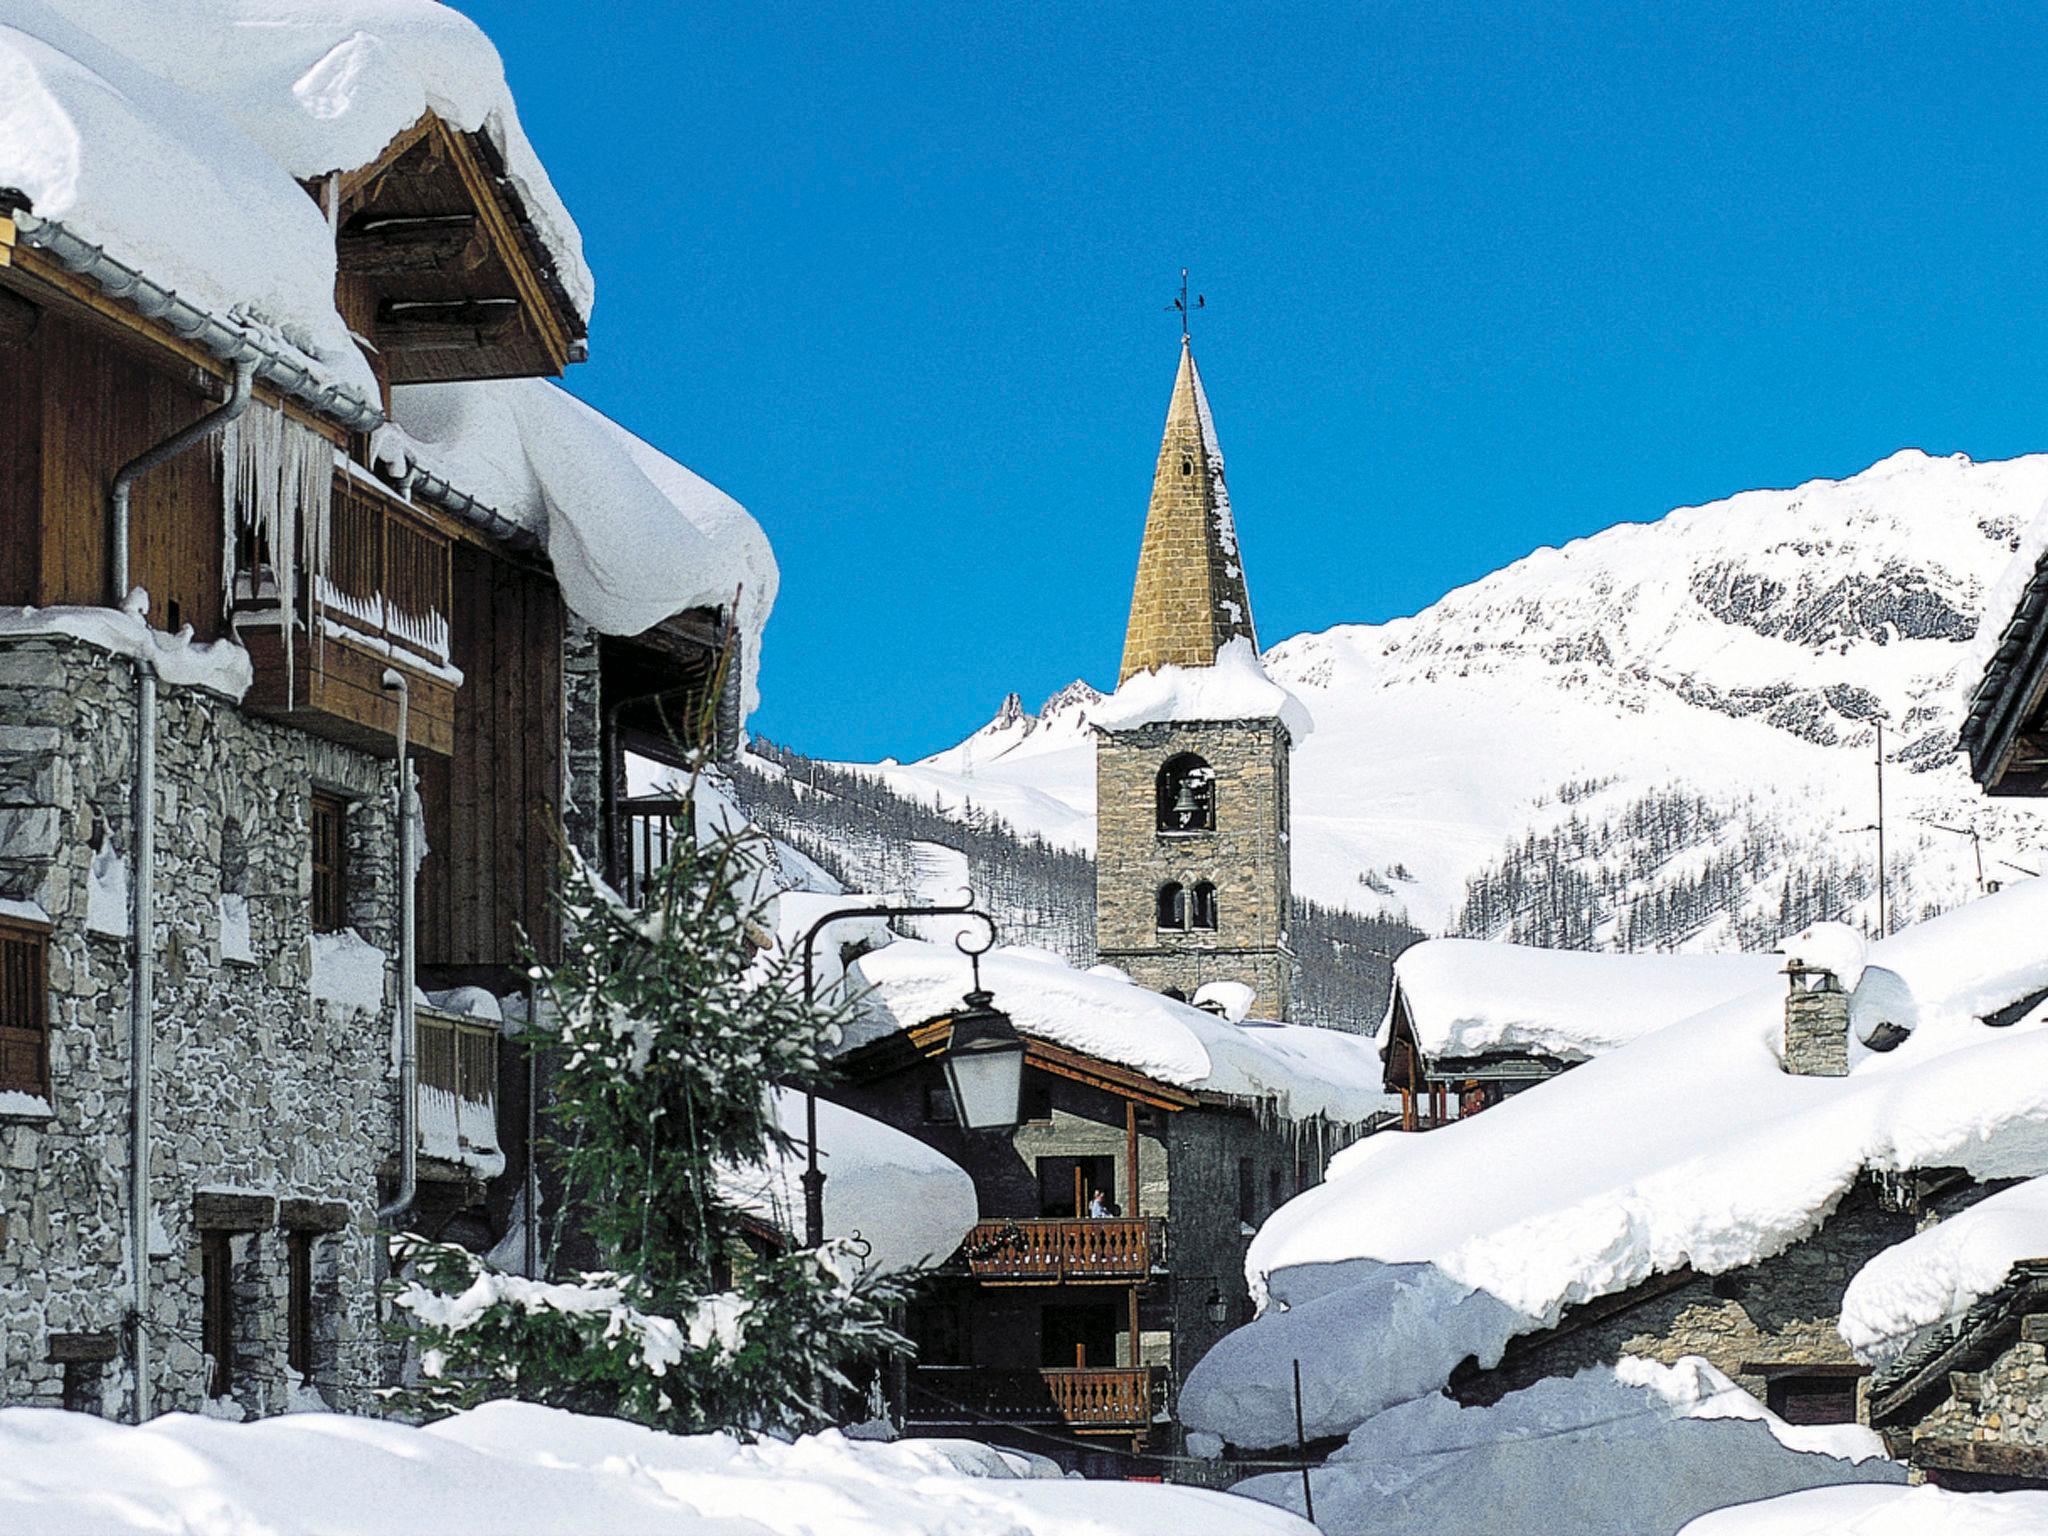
(1185, 808)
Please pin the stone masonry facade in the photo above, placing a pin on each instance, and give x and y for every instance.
(276, 1110)
(2005, 1405)
(1245, 857)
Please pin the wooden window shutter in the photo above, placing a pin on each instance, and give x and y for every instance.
(330, 863)
(24, 1009)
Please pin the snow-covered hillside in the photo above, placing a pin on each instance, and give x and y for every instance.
(1659, 735)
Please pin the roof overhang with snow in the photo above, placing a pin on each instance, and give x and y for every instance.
(928, 1041)
(2005, 733)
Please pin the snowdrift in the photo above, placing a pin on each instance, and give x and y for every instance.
(515, 1467)
(1922, 1511)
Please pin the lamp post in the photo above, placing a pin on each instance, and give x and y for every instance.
(814, 1176)
(984, 1058)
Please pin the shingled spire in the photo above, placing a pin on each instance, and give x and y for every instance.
(1190, 595)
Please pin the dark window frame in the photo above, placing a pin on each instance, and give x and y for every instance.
(217, 1310)
(1170, 913)
(1202, 907)
(298, 1327)
(328, 831)
(1247, 1192)
(1177, 770)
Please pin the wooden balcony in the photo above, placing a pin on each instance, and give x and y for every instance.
(1058, 1251)
(384, 601)
(458, 1088)
(1086, 1399)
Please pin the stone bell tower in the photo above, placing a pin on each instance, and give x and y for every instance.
(1191, 865)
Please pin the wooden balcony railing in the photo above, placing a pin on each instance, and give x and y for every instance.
(648, 826)
(1083, 1397)
(1058, 1251)
(458, 1087)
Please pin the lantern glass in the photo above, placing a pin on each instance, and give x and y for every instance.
(985, 1068)
(1216, 1307)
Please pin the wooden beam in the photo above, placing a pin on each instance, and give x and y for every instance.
(352, 183)
(396, 245)
(312, 1215)
(225, 1210)
(418, 325)
(550, 324)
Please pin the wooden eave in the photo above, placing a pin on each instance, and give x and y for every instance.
(38, 276)
(928, 1041)
(460, 285)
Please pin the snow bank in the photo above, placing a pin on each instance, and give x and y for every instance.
(220, 666)
(1633, 1450)
(347, 969)
(1236, 687)
(1306, 1071)
(1935, 1276)
(910, 1204)
(512, 1466)
(633, 536)
(1468, 996)
(1920, 1511)
(1689, 1146)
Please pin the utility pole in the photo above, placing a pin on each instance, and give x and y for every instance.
(1883, 921)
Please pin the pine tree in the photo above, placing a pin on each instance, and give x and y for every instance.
(676, 1033)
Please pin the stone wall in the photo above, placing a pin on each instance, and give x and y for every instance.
(582, 742)
(1245, 857)
(2005, 1405)
(261, 1087)
(1816, 1027)
(1782, 1311)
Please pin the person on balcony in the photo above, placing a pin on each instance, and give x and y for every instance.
(1098, 1208)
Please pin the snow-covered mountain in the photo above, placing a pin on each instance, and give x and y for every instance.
(1659, 735)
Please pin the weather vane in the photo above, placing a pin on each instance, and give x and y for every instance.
(1181, 303)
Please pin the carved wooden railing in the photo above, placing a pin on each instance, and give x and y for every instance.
(1055, 1250)
(1084, 1397)
(458, 1084)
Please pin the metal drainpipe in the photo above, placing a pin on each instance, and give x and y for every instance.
(142, 969)
(408, 1041)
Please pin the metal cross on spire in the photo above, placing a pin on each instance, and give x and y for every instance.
(1181, 303)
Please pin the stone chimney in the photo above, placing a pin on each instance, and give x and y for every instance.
(1816, 1022)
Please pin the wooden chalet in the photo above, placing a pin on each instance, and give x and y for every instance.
(1109, 1256)
(278, 805)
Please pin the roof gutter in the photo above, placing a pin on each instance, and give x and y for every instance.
(234, 344)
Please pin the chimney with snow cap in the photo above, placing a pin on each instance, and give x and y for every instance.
(1816, 1021)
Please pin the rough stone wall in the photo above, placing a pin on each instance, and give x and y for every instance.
(1245, 857)
(582, 743)
(2004, 1404)
(1189, 597)
(1782, 1311)
(259, 1086)
(1817, 1032)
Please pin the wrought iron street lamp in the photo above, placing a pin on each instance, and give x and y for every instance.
(984, 1059)
(814, 1176)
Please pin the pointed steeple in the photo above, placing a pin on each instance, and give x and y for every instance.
(1190, 596)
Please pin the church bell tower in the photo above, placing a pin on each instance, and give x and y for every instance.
(1191, 867)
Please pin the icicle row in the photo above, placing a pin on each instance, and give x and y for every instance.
(277, 480)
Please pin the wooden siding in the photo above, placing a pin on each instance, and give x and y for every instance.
(21, 466)
(492, 809)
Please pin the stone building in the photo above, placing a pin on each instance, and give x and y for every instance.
(1109, 1254)
(233, 557)
(1192, 867)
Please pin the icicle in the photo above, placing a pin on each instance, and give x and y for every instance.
(277, 480)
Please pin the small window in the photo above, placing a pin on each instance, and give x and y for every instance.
(217, 1312)
(330, 863)
(1247, 1193)
(1187, 795)
(1187, 466)
(1798, 1398)
(1275, 1191)
(24, 1009)
(1202, 906)
(1038, 1098)
(298, 1251)
(1173, 905)
(938, 1104)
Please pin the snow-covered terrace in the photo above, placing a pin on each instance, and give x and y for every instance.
(1299, 1071)
(1688, 1147)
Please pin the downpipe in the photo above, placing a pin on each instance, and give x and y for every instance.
(408, 1023)
(142, 969)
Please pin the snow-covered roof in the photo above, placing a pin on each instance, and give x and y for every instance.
(1688, 1146)
(1307, 1071)
(910, 1204)
(1936, 1276)
(633, 536)
(1466, 997)
(175, 135)
(1873, 1510)
(1236, 687)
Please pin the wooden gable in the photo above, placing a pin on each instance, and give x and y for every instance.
(437, 268)
(928, 1041)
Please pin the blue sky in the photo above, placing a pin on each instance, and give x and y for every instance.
(1479, 280)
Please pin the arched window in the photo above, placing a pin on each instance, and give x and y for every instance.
(1173, 905)
(1187, 795)
(1202, 906)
